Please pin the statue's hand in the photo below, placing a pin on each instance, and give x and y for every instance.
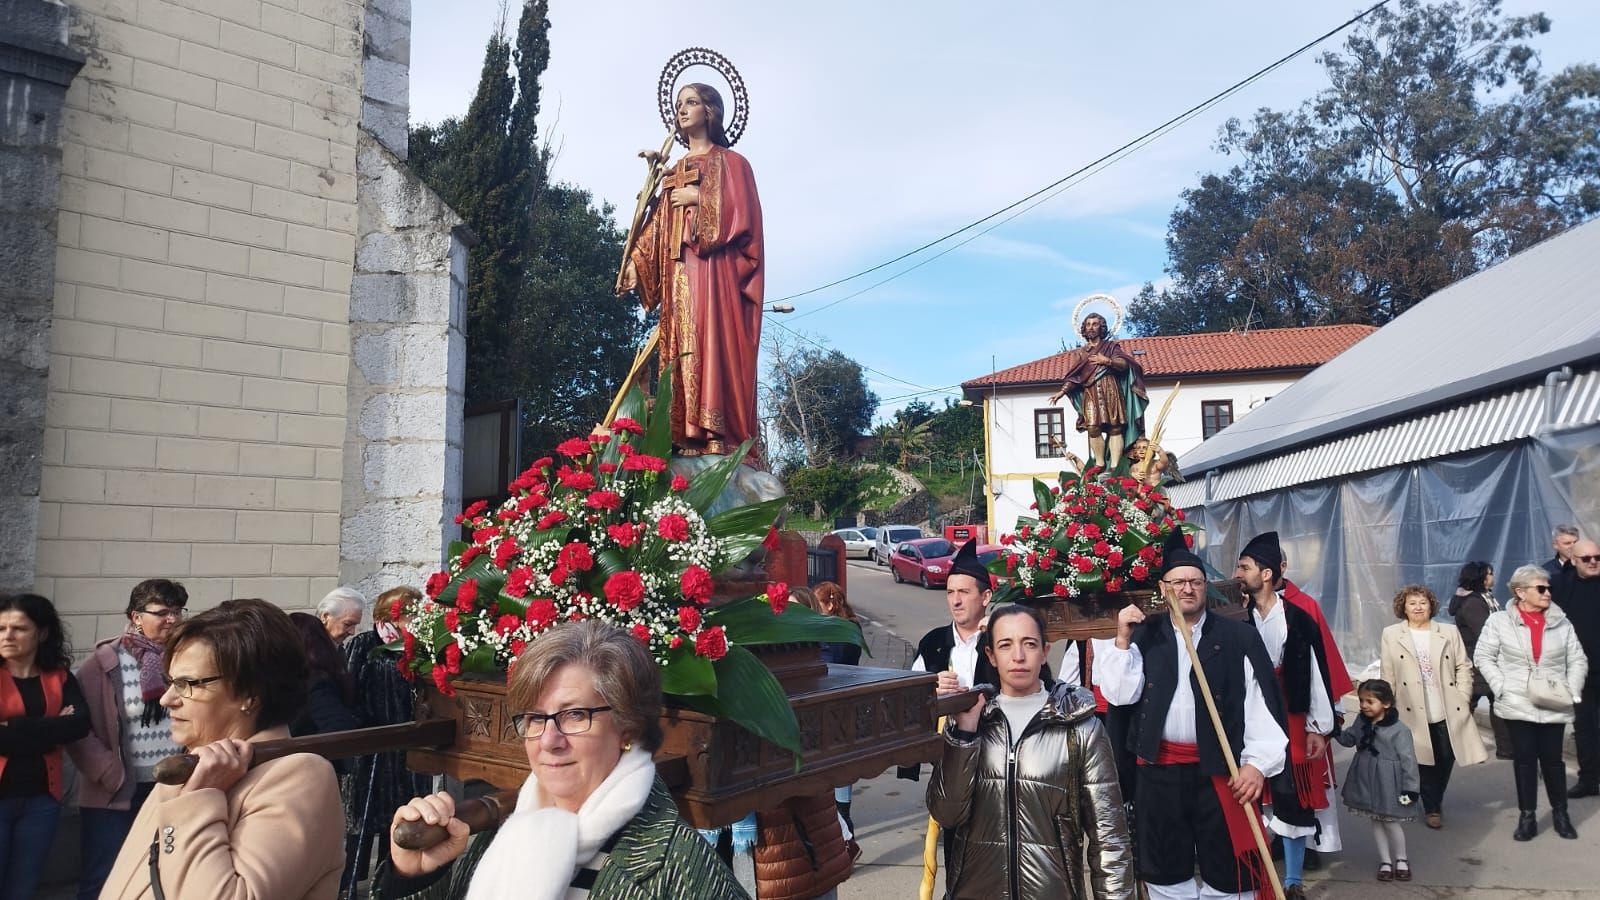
(688, 195)
(1100, 359)
(1056, 397)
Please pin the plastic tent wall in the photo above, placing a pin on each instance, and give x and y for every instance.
(1354, 542)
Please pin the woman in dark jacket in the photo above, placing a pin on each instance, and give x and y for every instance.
(1027, 786)
(329, 693)
(1470, 608)
(380, 783)
(41, 710)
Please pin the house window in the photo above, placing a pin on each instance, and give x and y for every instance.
(1215, 415)
(1049, 433)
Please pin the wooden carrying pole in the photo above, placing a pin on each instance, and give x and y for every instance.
(1222, 736)
(333, 745)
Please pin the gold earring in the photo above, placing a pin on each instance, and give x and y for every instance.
(628, 746)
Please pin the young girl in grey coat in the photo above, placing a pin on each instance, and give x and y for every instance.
(1383, 783)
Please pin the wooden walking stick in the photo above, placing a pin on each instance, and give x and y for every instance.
(1182, 628)
(930, 851)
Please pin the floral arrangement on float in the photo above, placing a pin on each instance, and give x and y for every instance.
(1096, 532)
(604, 529)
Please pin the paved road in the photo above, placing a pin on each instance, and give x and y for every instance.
(905, 611)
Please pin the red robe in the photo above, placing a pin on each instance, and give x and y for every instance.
(703, 266)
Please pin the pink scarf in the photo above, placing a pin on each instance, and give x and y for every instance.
(151, 684)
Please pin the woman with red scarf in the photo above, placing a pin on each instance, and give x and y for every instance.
(41, 709)
(1535, 666)
(130, 731)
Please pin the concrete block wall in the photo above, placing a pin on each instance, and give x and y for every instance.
(196, 418)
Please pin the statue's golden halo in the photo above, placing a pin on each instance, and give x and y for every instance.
(667, 90)
(1083, 309)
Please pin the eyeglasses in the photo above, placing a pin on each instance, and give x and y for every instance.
(166, 612)
(185, 686)
(1180, 583)
(577, 720)
(1589, 559)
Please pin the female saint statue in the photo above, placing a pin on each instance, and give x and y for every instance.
(698, 259)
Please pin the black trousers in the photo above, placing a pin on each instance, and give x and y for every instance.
(1586, 732)
(1536, 749)
(1436, 778)
(1178, 821)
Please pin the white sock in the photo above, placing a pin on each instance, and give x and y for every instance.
(1380, 835)
(1397, 840)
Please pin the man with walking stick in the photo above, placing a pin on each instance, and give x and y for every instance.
(1207, 737)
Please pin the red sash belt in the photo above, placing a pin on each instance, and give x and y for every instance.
(1251, 866)
(1310, 775)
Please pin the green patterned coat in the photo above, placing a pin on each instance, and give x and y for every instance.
(657, 857)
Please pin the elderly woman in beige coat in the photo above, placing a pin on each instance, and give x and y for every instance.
(236, 674)
(1427, 664)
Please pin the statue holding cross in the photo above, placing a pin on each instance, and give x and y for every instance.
(697, 257)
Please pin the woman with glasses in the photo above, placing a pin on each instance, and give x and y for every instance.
(592, 819)
(1535, 666)
(235, 675)
(41, 710)
(1427, 664)
(129, 731)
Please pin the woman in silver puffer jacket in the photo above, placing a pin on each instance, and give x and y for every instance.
(1028, 783)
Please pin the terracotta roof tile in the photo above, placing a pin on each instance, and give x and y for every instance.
(1215, 353)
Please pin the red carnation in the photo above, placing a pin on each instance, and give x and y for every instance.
(1139, 572)
(673, 527)
(1083, 564)
(436, 583)
(711, 643)
(573, 447)
(1120, 528)
(641, 634)
(466, 593)
(441, 680)
(482, 535)
(559, 575)
(626, 424)
(1114, 584)
(517, 583)
(676, 642)
(626, 449)
(1101, 548)
(472, 511)
(540, 614)
(470, 554)
(1060, 590)
(623, 534)
(689, 619)
(576, 555)
(1091, 531)
(452, 620)
(1009, 539)
(1179, 514)
(679, 484)
(1114, 558)
(1147, 553)
(607, 500)
(517, 646)
(578, 480)
(695, 583)
(452, 658)
(502, 554)
(644, 462)
(607, 468)
(778, 595)
(550, 520)
(625, 590)
(506, 624)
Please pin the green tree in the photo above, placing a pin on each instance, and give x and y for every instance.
(829, 489)
(542, 324)
(1438, 148)
(904, 440)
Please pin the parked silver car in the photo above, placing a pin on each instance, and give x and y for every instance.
(889, 537)
(857, 543)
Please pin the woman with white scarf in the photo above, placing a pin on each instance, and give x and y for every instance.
(592, 820)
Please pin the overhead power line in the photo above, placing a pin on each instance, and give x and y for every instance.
(1076, 176)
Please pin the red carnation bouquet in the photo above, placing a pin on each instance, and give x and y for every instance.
(604, 529)
(1095, 532)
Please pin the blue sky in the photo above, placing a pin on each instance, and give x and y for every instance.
(876, 126)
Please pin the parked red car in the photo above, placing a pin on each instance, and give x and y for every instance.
(925, 561)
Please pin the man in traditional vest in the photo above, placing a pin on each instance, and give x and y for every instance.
(1294, 644)
(1327, 838)
(1187, 810)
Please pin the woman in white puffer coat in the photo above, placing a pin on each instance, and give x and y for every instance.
(1530, 656)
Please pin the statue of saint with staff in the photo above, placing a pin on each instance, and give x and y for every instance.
(1106, 386)
(695, 254)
